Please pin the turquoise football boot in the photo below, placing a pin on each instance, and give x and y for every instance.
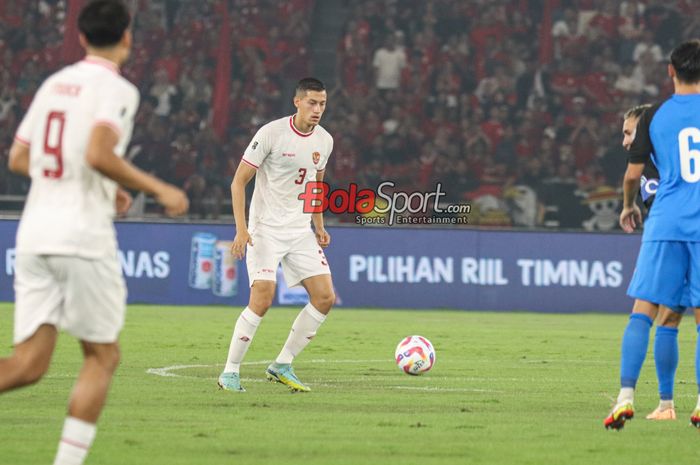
(230, 382)
(284, 373)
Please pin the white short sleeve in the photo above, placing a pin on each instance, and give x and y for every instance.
(324, 161)
(116, 108)
(26, 127)
(259, 148)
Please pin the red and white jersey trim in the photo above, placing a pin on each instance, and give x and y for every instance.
(298, 132)
(249, 163)
(22, 141)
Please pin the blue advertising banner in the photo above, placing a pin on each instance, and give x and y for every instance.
(189, 264)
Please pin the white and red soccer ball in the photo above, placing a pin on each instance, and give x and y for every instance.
(415, 355)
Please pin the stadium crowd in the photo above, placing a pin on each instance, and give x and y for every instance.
(514, 106)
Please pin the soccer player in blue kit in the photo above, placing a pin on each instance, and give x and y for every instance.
(669, 134)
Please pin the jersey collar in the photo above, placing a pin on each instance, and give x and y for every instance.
(298, 132)
(99, 61)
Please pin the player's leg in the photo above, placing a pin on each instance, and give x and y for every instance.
(695, 416)
(635, 342)
(38, 299)
(30, 359)
(87, 401)
(693, 284)
(306, 265)
(658, 277)
(666, 360)
(321, 299)
(262, 260)
(93, 312)
(262, 294)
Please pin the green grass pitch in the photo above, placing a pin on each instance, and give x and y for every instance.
(507, 388)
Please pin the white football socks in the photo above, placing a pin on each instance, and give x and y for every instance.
(697, 406)
(246, 326)
(626, 395)
(665, 404)
(303, 330)
(75, 442)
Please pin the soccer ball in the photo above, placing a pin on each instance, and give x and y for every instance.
(415, 355)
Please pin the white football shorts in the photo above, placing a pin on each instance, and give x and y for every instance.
(299, 253)
(84, 297)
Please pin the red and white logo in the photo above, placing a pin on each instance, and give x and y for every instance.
(392, 206)
(316, 157)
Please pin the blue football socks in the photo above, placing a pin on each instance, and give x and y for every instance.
(666, 359)
(634, 349)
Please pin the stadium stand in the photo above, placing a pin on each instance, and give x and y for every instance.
(446, 91)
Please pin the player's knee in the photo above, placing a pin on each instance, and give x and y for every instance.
(109, 360)
(105, 358)
(32, 369)
(670, 319)
(261, 303)
(323, 301)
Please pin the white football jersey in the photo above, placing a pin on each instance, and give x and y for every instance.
(70, 206)
(286, 159)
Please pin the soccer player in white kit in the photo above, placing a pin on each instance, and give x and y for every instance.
(71, 143)
(283, 156)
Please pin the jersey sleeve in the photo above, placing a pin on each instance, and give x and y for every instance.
(26, 127)
(642, 147)
(116, 107)
(324, 161)
(259, 148)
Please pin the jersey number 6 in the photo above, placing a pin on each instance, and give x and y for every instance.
(690, 158)
(53, 142)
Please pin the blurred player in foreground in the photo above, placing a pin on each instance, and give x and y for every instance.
(636, 337)
(669, 258)
(283, 156)
(71, 143)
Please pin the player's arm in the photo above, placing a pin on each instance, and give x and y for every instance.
(322, 236)
(244, 173)
(639, 155)
(19, 158)
(101, 157)
(631, 215)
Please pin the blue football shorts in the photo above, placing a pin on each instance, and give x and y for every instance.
(668, 273)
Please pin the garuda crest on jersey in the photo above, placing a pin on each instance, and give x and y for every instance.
(316, 157)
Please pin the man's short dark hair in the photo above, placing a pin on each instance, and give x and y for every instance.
(636, 112)
(685, 59)
(103, 22)
(308, 84)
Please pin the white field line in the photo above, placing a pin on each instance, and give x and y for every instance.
(169, 371)
(431, 389)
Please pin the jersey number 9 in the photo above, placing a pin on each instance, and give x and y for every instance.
(53, 142)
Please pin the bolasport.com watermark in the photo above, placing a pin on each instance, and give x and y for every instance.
(385, 205)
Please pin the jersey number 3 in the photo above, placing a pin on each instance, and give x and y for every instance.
(690, 158)
(302, 176)
(53, 142)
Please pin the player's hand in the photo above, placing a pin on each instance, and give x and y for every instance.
(323, 238)
(173, 199)
(630, 218)
(239, 243)
(123, 201)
